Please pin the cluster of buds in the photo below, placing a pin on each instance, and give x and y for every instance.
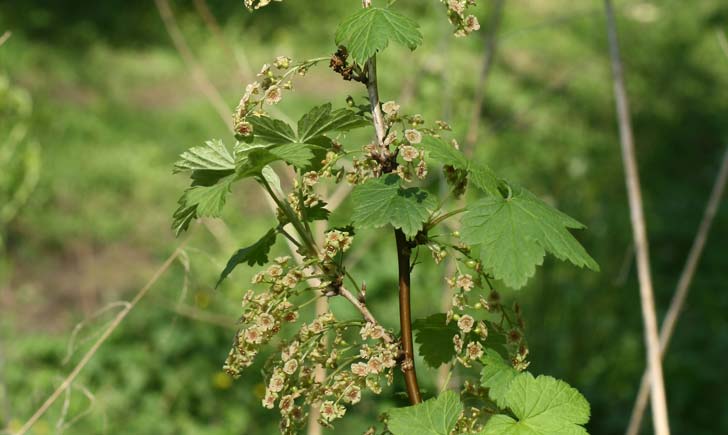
(340, 64)
(273, 80)
(336, 241)
(439, 253)
(378, 159)
(304, 198)
(264, 313)
(257, 4)
(464, 23)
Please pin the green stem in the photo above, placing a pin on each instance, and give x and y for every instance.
(445, 216)
(306, 236)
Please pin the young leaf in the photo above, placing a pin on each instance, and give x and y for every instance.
(201, 200)
(382, 201)
(318, 212)
(497, 375)
(479, 174)
(297, 154)
(370, 30)
(435, 339)
(482, 177)
(437, 416)
(210, 200)
(213, 156)
(516, 232)
(444, 153)
(542, 406)
(257, 253)
(321, 120)
(271, 131)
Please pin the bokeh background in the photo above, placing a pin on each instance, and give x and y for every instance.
(96, 103)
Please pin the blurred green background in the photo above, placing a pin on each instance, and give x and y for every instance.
(98, 103)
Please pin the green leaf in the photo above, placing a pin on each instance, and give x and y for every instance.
(210, 200)
(253, 160)
(257, 253)
(201, 201)
(497, 375)
(321, 120)
(542, 406)
(445, 154)
(437, 416)
(213, 156)
(382, 201)
(297, 154)
(435, 339)
(516, 232)
(318, 212)
(483, 178)
(370, 30)
(271, 131)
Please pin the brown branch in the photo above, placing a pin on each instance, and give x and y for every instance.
(652, 341)
(491, 39)
(107, 333)
(681, 292)
(405, 317)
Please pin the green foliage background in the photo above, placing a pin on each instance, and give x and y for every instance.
(114, 105)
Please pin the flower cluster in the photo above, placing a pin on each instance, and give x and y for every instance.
(399, 152)
(467, 304)
(293, 386)
(273, 80)
(336, 241)
(464, 23)
(264, 313)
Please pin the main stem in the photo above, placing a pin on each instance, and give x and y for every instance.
(405, 317)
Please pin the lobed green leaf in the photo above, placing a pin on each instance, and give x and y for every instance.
(497, 376)
(369, 30)
(480, 175)
(382, 201)
(515, 233)
(437, 416)
(542, 406)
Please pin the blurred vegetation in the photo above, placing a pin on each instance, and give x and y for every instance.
(113, 104)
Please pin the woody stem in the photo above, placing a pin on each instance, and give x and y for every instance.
(405, 317)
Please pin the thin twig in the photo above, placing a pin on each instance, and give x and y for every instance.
(107, 333)
(722, 41)
(211, 22)
(491, 39)
(198, 73)
(5, 36)
(652, 341)
(681, 292)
